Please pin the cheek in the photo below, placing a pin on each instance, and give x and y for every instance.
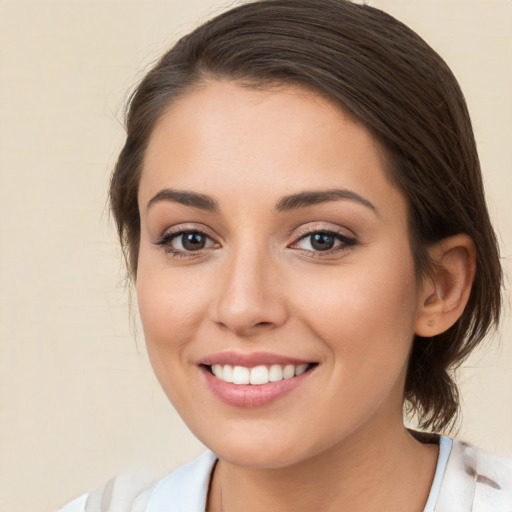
(168, 311)
(169, 300)
(171, 306)
(364, 313)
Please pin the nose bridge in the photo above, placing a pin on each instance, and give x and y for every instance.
(249, 298)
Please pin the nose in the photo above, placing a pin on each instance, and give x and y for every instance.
(250, 297)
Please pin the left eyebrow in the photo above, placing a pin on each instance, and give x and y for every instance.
(312, 197)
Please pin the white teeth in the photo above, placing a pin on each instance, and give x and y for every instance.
(289, 371)
(257, 375)
(227, 373)
(241, 375)
(275, 373)
(301, 368)
(218, 371)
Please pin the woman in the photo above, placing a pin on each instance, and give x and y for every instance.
(301, 207)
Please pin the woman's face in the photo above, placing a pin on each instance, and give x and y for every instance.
(274, 250)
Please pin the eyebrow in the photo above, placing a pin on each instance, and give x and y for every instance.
(201, 201)
(312, 197)
(287, 203)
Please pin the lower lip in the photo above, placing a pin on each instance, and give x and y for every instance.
(248, 396)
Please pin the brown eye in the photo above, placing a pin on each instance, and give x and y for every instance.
(193, 241)
(185, 242)
(322, 241)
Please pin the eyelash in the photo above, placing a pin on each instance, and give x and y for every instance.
(165, 241)
(346, 242)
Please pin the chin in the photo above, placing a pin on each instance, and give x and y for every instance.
(257, 447)
(257, 457)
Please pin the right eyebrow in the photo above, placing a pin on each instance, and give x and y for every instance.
(187, 198)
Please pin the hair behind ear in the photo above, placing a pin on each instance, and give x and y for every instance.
(446, 291)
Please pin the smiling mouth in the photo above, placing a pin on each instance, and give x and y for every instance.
(257, 375)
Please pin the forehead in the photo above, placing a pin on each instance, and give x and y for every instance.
(223, 138)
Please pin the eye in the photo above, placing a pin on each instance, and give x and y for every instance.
(323, 241)
(183, 242)
(191, 241)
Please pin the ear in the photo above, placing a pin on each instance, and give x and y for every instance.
(444, 295)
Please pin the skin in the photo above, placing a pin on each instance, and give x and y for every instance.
(337, 441)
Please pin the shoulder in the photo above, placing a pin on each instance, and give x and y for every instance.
(476, 480)
(140, 491)
(127, 492)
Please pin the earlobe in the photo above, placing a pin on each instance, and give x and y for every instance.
(445, 293)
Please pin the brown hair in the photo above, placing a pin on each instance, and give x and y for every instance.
(388, 78)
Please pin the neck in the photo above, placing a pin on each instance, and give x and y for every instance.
(371, 473)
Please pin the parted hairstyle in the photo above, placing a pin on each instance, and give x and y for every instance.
(385, 76)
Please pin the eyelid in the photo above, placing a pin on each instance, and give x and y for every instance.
(185, 227)
(325, 228)
(337, 234)
(165, 239)
(347, 241)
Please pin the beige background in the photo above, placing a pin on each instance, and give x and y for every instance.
(78, 402)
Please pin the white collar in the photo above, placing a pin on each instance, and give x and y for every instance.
(186, 489)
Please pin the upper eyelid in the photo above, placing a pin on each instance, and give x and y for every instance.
(187, 228)
(302, 232)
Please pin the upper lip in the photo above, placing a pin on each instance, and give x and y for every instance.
(250, 360)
